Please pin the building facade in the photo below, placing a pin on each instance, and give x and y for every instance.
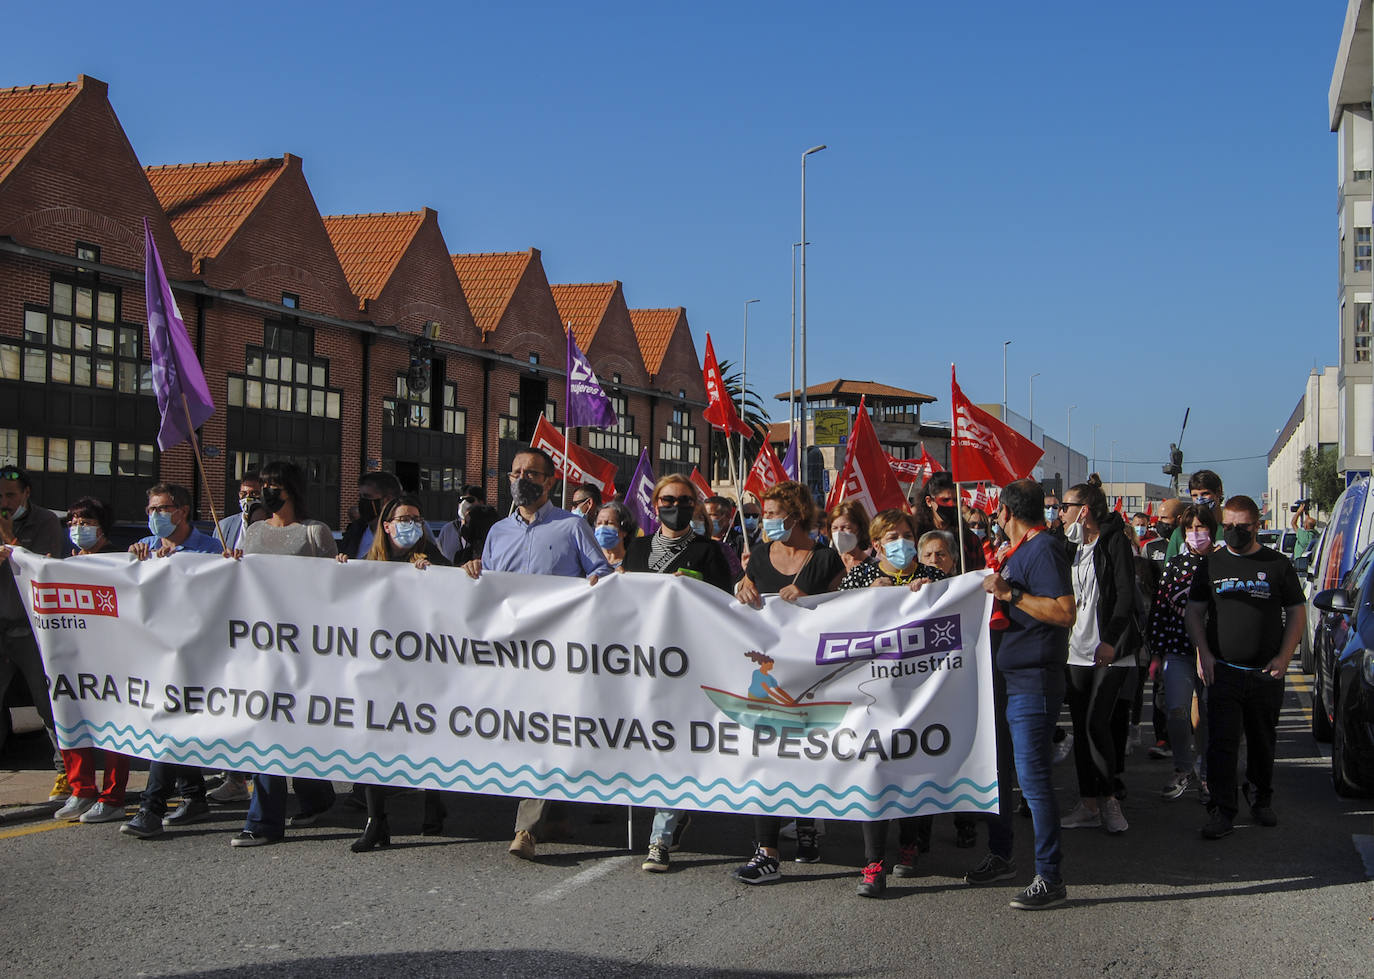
(343, 343)
(1314, 423)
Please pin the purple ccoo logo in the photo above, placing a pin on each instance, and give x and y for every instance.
(920, 638)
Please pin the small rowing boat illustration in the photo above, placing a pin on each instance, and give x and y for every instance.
(752, 713)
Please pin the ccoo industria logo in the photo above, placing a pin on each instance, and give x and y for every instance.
(58, 599)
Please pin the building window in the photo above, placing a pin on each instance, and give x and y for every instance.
(1362, 333)
(320, 470)
(508, 425)
(290, 300)
(621, 436)
(84, 457)
(77, 339)
(680, 440)
(87, 253)
(409, 409)
(284, 375)
(534, 357)
(1363, 252)
(1361, 175)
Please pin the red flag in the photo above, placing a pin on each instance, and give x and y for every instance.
(699, 483)
(866, 476)
(1117, 508)
(1150, 511)
(581, 465)
(983, 448)
(767, 471)
(994, 497)
(720, 411)
(910, 471)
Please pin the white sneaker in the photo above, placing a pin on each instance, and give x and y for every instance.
(103, 812)
(1113, 820)
(1081, 818)
(74, 807)
(234, 789)
(1177, 785)
(1064, 748)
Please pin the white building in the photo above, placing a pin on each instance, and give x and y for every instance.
(1314, 422)
(1348, 102)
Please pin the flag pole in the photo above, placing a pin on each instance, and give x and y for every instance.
(567, 401)
(204, 476)
(959, 511)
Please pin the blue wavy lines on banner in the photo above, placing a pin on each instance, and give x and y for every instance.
(653, 789)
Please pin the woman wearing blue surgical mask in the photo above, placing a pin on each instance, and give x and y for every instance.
(614, 528)
(791, 565)
(402, 539)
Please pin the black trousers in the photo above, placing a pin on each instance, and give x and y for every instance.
(164, 778)
(1092, 694)
(1249, 701)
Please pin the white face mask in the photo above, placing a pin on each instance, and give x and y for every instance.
(845, 541)
(1073, 532)
(463, 509)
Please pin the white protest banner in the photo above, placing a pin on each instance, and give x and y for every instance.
(642, 689)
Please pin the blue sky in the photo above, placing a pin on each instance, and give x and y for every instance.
(1140, 198)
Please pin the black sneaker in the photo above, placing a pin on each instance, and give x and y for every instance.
(993, 868)
(252, 839)
(1218, 827)
(761, 869)
(679, 831)
(145, 825)
(808, 849)
(1041, 894)
(873, 880)
(906, 862)
(1264, 815)
(190, 811)
(658, 861)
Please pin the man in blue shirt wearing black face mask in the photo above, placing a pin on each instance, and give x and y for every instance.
(169, 519)
(538, 538)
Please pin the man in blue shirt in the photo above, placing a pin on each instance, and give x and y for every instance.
(169, 519)
(538, 538)
(1028, 684)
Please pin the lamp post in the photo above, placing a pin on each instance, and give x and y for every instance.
(1113, 469)
(1095, 428)
(802, 466)
(1068, 443)
(744, 381)
(1030, 405)
(1005, 344)
(792, 377)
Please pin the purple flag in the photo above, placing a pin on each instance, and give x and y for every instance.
(640, 493)
(789, 461)
(177, 377)
(586, 403)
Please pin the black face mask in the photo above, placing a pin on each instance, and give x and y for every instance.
(369, 509)
(1238, 538)
(526, 491)
(675, 517)
(949, 515)
(273, 498)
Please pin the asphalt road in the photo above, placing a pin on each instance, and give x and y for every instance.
(1294, 900)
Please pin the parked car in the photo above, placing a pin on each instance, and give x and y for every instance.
(1344, 691)
(1349, 531)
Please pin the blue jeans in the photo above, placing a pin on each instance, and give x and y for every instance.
(665, 821)
(1180, 683)
(267, 809)
(1033, 700)
(165, 777)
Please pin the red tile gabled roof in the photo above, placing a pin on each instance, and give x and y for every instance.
(489, 280)
(207, 202)
(853, 390)
(369, 247)
(654, 329)
(25, 115)
(584, 305)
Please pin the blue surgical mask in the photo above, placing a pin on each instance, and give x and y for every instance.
(407, 535)
(698, 527)
(775, 528)
(606, 535)
(161, 524)
(900, 552)
(751, 523)
(980, 533)
(1051, 514)
(83, 536)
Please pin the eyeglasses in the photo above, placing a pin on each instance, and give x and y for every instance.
(10, 472)
(676, 500)
(407, 521)
(1068, 504)
(165, 508)
(528, 474)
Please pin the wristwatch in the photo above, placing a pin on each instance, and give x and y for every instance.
(1016, 594)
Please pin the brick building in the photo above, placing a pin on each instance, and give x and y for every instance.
(343, 343)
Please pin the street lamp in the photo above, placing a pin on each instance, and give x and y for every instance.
(801, 441)
(1030, 404)
(1068, 443)
(744, 384)
(792, 378)
(1005, 344)
(1095, 428)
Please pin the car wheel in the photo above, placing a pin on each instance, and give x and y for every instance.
(1305, 654)
(5, 727)
(1340, 781)
(1321, 725)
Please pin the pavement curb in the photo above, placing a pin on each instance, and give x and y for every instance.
(25, 814)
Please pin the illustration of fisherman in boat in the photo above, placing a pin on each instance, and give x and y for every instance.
(769, 705)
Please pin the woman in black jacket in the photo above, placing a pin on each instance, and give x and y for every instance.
(1102, 650)
(676, 549)
(401, 538)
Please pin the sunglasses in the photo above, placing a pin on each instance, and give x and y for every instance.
(676, 500)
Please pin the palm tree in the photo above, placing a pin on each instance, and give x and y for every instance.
(755, 415)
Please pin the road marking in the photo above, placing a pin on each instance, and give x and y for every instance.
(1364, 845)
(10, 834)
(582, 879)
